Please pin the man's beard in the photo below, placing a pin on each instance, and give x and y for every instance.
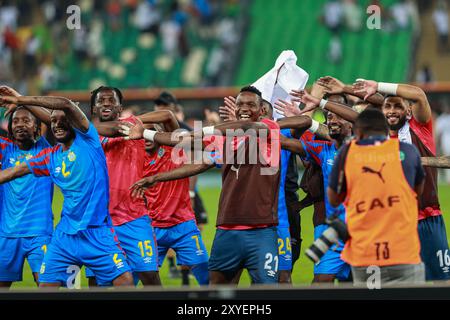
(399, 125)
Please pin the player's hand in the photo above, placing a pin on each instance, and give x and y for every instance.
(228, 111)
(132, 131)
(139, 187)
(287, 109)
(308, 100)
(368, 87)
(8, 102)
(212, 117)
(6, 91)
(331, 85)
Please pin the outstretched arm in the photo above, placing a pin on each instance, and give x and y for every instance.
(292, 145)
(72, 111)
(107, 128)
(421, 108)
(185, 171)
(335, 86)
(14, 172)
(341, 110)
(437, 162)
(39, 112)
(165, 117)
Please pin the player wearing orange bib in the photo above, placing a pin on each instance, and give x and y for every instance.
(382, 180)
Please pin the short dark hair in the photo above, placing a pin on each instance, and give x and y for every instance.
(251, 89)
(166, 98)
(254, 90)
(372, 120)
(36, 120)
(343, 96)
(268, 103)
(105, 88)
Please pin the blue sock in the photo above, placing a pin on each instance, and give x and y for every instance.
(201, 273)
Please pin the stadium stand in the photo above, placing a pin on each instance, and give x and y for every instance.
(310, 41)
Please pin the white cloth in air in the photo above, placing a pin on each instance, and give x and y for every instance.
(281, 79)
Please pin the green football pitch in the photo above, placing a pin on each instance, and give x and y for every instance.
(303, 270)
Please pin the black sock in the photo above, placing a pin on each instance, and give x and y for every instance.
(171, 262)
(185, 277)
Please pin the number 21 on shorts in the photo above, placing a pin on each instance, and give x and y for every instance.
(271, 264)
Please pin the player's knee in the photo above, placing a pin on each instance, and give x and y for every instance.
(125, 279)
(92, 282)
(324, 278)
(150, 278)
(284, 276)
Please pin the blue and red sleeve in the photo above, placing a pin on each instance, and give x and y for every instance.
(313, 149)
(39, 165)
(4, 142)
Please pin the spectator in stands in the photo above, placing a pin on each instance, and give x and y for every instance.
(31, 50)
(9, 15)
(333, 18)
(335, 49)
(425, 74)
(333, 15)
(443, 136)
(401, 14)
(169, 32)
(352, 15)
(147, 17)
(440, 19)
(48, 75)
(114, 9)
(80, 43)
(94, 41)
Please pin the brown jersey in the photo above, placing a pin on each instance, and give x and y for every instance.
(249, 194)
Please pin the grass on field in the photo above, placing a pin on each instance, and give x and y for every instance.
(303, 270)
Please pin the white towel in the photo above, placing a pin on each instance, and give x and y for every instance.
(281, 79)
(404, 135)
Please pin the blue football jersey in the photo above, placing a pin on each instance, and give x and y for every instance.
(284, 162)
(324, 153)
(81, 174)
(26, 208)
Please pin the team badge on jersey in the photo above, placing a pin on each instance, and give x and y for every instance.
(161, 152)
(72, 157)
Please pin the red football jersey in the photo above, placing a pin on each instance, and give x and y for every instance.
(125, 160)
(168, 202)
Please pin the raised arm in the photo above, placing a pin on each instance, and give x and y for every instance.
(39, 112)
(72, 111)
(166, 117)
(341, 110)
(437, 162)
(421, 108)
(14, 173)
(108, 128)
(292, 145)
(335, 86)
(185, 171)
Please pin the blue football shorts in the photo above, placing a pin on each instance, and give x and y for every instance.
(284, 248)
(137, 240)
(96, 248)
(14, 251)
(434, 248)
(185, 239)
(254, 249)
(331, 262)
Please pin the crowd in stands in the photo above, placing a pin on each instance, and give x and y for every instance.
(350, 15)
(36, 46)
